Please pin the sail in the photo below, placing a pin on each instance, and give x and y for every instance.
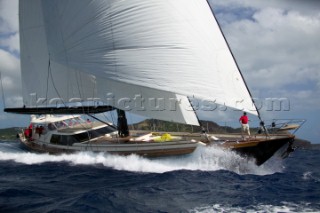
(45, 83)
(155, 50)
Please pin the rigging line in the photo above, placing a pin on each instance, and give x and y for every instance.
(110, 120)
(233, 58)
(112, 114)
(55, 88)
(259, 115)
(114, 47)
(77, 81)
(130, 119)
(94, 117)
(93, 91)
(49, 65)
(113, 119)
(194, 110)
(78, 85)
(65, 54)
(3, 98)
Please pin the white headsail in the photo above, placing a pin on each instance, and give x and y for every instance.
(139, 51)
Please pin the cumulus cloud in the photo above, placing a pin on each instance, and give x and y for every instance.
(11, 43)
(8, 16)
(9, 26)
(10, 77)
(9, 53)
(276, 46)
(305, 7)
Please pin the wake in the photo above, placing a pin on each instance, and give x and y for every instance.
(203, 159)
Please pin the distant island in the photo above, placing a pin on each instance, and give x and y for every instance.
(165, 126)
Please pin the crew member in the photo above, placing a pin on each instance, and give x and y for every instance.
(244, 120)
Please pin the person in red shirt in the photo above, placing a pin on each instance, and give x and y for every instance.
(244, 120)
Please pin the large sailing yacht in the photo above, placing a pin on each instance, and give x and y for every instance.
(148, 57)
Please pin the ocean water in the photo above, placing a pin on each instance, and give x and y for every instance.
(209, 180)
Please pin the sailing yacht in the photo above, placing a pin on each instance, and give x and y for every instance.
(146, 57)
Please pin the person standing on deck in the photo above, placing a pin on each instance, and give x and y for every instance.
(244, 120)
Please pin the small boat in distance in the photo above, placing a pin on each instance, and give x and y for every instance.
(146, 57)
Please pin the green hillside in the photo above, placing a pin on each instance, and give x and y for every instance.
(157, 125)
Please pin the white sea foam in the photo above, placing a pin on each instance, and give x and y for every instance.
(307, 176)
(260, 208)
(310, 176)
(204, 158)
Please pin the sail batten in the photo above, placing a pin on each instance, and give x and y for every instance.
(171, 49)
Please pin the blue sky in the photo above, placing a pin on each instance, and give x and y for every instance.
(276, 44)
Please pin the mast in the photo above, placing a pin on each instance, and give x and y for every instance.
(123, 129)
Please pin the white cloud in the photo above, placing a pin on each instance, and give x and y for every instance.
(12, 43)
(277, 48)
(14, 101)
(9, 26)
(8, 16)
(306, 7)
(9, 64)
(10, 77)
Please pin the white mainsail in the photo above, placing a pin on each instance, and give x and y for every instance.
(154, 50)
